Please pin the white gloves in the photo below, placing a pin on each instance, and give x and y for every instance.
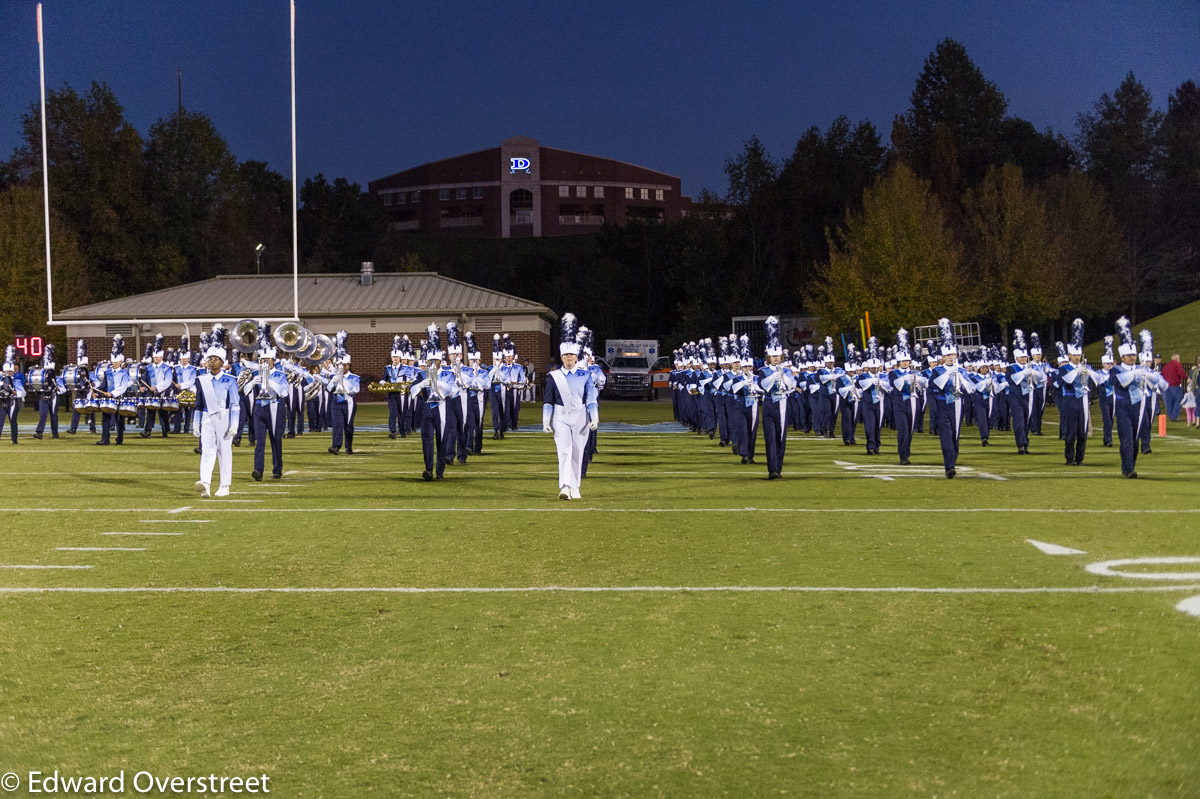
(229, 432)
(594, 423)
(546, 428)
(196, 430)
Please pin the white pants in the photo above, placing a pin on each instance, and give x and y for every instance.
(215, 447)
(570, 436)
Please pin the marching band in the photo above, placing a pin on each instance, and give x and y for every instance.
(268, 380)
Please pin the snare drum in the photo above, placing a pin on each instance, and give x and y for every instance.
(170, 404)
(75, 378)
(107, 404)
(153, 402)
(92, 405)
(80, 405)
(128, 408)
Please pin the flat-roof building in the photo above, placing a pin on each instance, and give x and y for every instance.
(521, 189)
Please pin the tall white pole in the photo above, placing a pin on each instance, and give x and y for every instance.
(45, 167)
(295, 189)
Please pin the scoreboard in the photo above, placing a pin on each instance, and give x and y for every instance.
(30, 346)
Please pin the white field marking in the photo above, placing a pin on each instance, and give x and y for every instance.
(293, 471)
(76, 474)
(1055, 549)
(175, 521)
(895, 470)
(146, 533)
(600, 589)
(256, 492)
(1191, 606)
(1106, 569)
(222, 499)
(209, 508)
(40, 566)
(101, 549)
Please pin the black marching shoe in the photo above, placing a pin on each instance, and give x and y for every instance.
(290, 435)
(332, 451)
(102, 444)
(950, 474)
(256, 474)
(392, 436)
(984, 443)
(194, 449)
(1146, 451)
(276, 476)
(1130, 475)
(905, 462)
(427, 476)
(38, 436)
(1071, 463)
(773, 475)
(237, 441)
(349, 451)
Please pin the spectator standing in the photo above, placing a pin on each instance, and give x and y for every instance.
(1175, 376)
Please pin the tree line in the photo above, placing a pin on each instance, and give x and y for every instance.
(966, 211)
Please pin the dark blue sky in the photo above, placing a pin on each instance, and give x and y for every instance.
(382, 86)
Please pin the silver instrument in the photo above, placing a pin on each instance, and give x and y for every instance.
(244, 336)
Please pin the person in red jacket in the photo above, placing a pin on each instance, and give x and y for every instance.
(1175, 376)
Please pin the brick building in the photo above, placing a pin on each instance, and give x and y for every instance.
(370, 308)
(521, 189)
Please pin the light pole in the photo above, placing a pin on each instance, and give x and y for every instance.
(258, 251)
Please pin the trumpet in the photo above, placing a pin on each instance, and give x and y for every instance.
(244, 377)
(401, 386)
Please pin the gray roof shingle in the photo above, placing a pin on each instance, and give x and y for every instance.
(270, 296)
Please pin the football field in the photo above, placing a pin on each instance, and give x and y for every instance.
(686, 629)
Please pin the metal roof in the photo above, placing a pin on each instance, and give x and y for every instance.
(270, 296)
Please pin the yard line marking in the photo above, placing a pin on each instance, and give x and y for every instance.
(255, 492)
(40, 566)
(221, 499)
(595, 589)
(1055, 549)
(293, 471)
(209, 508)
(145, 533)
(101, 549)
(1105, 568)
(174, 521)
(1190, 606)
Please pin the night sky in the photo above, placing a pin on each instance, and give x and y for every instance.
(383, 86)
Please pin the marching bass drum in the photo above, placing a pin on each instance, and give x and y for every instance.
(75, 378)
(40, 379)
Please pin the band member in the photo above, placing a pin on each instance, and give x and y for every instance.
(343, 387)
(1021, 379)
(160, 379)
(81, 360)
(271, 390)
(950, 384)
(113, 383)
(746, 390)
(983, 397)
(215, 418)
(394, 373)
(408, 403)
(516, 380)
(12, 391)
(1155, 385)
(871, 388)
(48, 400)
(456, 444)
(435, 391)
(475, 386)
(587, 360)
(1038, 362)
(846, 385)
(1129, 383)
(908, 386)
(776, 382)
(1105, 390)
(1075, 382)
(499, 383)
(569, 410)
(185, 380)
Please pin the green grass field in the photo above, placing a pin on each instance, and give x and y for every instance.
(1177, 330)
(1040, 680)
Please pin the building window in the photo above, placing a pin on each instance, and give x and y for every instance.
(443, 194)
(645, 194)
(387, 199)
(520, 204)
(628, 193)
(401, 197)
(600, 192)
(416, 196)
(658, 194)
(461, 194)
(477, 193)
(581, 191)
(564, 191)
